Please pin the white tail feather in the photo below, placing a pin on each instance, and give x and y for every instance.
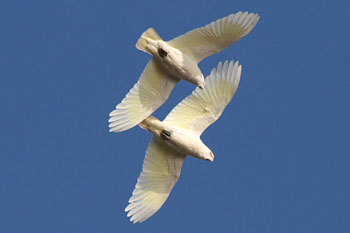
(142, 43)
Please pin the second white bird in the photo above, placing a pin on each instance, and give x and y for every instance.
(174, 60)
(179, 135)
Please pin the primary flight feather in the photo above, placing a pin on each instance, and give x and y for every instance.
(177, 136)
(174, 60)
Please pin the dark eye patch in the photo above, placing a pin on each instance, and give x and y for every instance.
(162, 53)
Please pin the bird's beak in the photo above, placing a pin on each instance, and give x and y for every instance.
(211, 157)
(201, 84)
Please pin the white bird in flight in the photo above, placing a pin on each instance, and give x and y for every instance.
(177, 136)
(174, 60)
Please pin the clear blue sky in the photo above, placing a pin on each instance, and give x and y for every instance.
(282, 145)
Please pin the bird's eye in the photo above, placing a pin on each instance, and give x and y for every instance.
(162, 53)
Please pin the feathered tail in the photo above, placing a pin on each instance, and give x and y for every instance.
(142, 43)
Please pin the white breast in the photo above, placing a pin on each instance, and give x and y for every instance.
(179, 64)
(186, 142)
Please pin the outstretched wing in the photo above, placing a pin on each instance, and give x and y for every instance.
(204, 106)
(216, 36)
(148, 94)
(160, 171)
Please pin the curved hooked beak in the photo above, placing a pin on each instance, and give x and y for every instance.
(201, 85)
(211, 159)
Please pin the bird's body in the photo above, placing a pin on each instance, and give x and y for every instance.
(181, 140)
(177, 136)
(175, 60)
(171, 59)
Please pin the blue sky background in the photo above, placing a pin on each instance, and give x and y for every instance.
(282, 145)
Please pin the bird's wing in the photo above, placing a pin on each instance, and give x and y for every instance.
(148, 94)
(204, 106)
(216, 36)
(160, 171)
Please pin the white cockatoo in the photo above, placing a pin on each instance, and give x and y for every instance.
(174, 60)
(177, 136)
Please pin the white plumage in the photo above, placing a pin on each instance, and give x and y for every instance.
(174, 60)
(177, 136)
(203, 107)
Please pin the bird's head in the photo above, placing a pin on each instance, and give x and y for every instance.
(200, 81)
